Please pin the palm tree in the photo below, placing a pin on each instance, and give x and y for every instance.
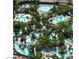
(67, 27)
(46, 42)
(55, 56)
(38, 56)
(34, 47)
(56, 3)
(61, 9)
(15, 7)
(52, 43)
(17, 26)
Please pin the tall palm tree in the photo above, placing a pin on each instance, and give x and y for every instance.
(15, 7)
(61, 9)
(33, 48)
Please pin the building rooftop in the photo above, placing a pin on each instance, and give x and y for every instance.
(49, 1)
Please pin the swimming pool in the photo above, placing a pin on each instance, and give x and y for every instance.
(23, 19)
(59, 19)
(26, 51)
(44, 7)
(19, 50)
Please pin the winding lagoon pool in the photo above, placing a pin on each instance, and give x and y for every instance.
(27, 52)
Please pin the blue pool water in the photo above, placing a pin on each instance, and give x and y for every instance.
(26, 51)
(19, 50)
(23, 18)
(44, 7)
(59, 19)
(37, 34)
(54, 51)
